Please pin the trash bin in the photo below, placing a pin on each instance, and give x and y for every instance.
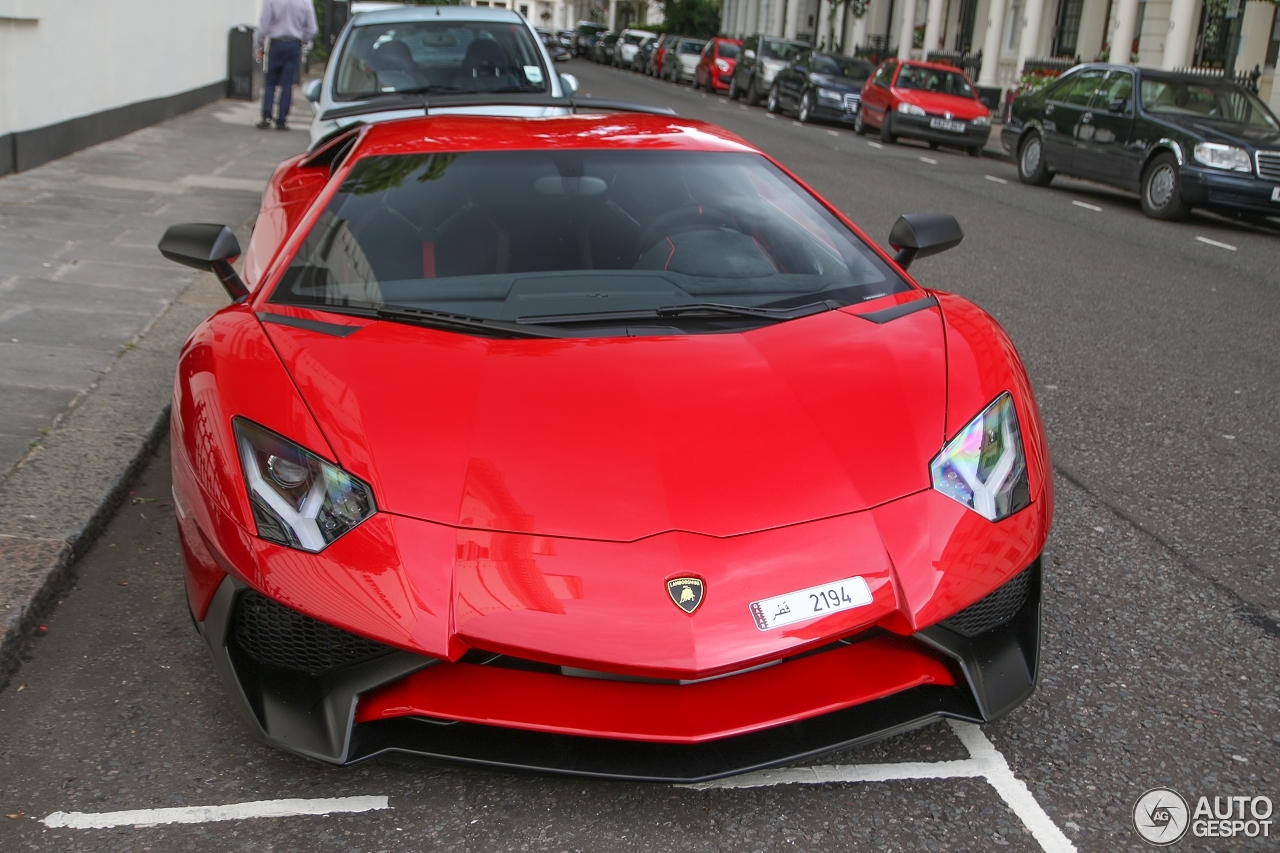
(240, 63)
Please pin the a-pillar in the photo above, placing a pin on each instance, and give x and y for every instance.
(906, 28)
(991, 44)
(1029, 42)
(1122, 35)
(933, 27)
(1182, 31)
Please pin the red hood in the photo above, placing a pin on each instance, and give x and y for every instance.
(621, 438)
(939, 103)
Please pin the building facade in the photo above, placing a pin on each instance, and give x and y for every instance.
(565, 14)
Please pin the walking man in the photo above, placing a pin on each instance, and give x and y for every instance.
(288, 23)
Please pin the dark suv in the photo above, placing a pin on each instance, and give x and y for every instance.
(759, 61)
(1178, 140)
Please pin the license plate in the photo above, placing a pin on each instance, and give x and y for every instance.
(944, 124)
(810, 603)
(1275, 193)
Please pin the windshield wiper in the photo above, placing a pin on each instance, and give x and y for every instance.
(443, 320)
(693, 309)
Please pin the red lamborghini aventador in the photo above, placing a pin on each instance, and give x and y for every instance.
(602, 445)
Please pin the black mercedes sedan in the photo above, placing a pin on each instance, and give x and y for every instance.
(1178, 140)
(820, 86)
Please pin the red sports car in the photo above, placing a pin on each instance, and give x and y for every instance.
(924, 100)
(601, 445)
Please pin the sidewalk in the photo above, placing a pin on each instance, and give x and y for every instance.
(91, 319)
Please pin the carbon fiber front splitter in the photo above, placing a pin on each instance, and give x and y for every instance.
(313, 715)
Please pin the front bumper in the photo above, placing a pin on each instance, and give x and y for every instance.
(322, 693)
(1228, 191)
(917, 127)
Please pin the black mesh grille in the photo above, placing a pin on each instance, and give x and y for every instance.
(996, 609)
(273, 634)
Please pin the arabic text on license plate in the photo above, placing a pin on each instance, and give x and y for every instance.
(1275, 194)
(943, 124)
(810, 603)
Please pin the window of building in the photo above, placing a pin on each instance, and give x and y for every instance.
(1066, 32)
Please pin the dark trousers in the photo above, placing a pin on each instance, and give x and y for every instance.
(282, 70)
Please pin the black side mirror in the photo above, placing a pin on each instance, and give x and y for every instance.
(918, 235)
(211, 248)
(1118, 105)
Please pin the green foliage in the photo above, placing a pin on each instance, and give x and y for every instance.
(377, 174)
(694, 18)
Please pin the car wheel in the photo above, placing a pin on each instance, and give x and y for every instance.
(753, 95)
(887, 136)
(806, 107)
(773, 106)
(1162, 189)
(733, 89)
(859, 126)
(1032, 168)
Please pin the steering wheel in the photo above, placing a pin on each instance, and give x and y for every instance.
(687, 217)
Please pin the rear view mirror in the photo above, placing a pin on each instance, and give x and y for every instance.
(311, 91)
(918, 235)
(568, 84)
(748, 55)
(1118, 105)
(211, 248)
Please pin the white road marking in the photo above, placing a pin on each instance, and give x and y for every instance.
(767, 115)
(210, 814)
(929, 160)
(984, 761)
(1226, 246)
(1086, 205)
(833, 132)
(724, 100)
(742, 106)
(874, 144)
(797, 124)
(995, 179)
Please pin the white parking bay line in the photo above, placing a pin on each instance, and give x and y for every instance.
(995, 179)
(211, 814)
(1226, 246)
(874, 144)
(1086, 205)
(984, 761)
(929, 160)
(833, 132)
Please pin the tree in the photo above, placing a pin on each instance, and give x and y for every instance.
(696, 18)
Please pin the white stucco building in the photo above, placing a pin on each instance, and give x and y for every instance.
(565, 14)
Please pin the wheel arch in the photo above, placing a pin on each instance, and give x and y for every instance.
(1160, 146)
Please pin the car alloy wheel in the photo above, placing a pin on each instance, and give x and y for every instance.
(773, 105)
(1032, 168)
(859, 126)
(806, 107)
(1162, 189)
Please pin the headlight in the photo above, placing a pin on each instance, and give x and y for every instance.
(299, 500)
(982, 121)
(984, 467)
(828, 95)
(910, 109)
(723, 65)
(1221, 156)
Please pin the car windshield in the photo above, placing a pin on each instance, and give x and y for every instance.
(780, 50)
(727, 50)
(634, 38)
(933, 80)
(687, 46)
(1209, 100)
(841, 66)
(438, 56)
(505, 235)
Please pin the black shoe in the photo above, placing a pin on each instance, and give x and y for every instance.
(282, 126)
(264, 124)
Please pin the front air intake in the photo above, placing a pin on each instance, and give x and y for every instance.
(272, 634)
(993, 610)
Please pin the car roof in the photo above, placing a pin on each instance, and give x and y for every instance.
(610, 131)
(426, 13)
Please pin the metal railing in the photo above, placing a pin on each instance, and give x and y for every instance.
(969, 63)
(1247, 79)
(1049, 63)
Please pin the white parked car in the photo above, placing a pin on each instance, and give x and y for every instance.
(680, 63)
(629, 44)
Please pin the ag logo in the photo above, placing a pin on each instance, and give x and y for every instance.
(686, 593)
(1161, 816)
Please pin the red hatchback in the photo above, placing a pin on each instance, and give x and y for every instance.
(924, 100)
(715, 68)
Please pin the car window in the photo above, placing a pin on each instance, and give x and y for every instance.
(633, 38)
(1209, 100)
(691, 46)
(934, 80)
(727, 50)
(1058, 89)
(424, 56)
(841, 66)
(1117, 87)
(885, 74)
(785, 51)
(1082, 89)
(508, 234)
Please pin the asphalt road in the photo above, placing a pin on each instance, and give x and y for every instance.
(1153, 357)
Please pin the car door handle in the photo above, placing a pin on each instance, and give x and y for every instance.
(1086, 118)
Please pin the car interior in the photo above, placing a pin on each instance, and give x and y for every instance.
(509, 234)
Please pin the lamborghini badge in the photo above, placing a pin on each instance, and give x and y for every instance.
(686, 593)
